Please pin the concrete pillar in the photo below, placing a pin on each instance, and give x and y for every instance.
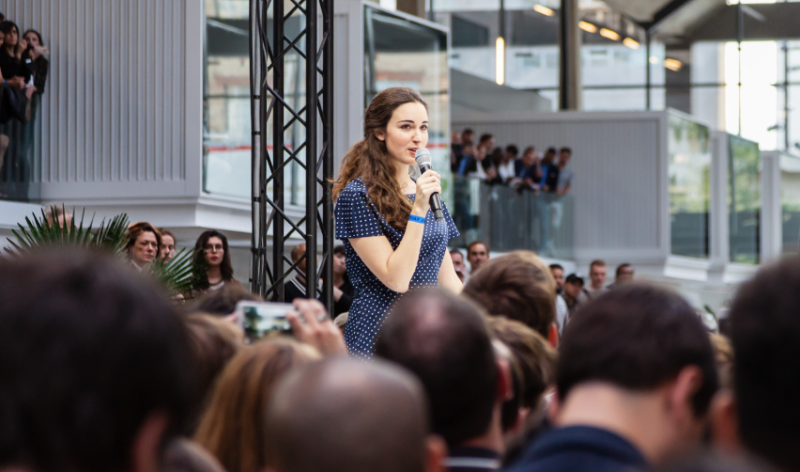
(771, 217)
(569, 41)
(412, 7)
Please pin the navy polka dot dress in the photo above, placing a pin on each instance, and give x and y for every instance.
(357, 217)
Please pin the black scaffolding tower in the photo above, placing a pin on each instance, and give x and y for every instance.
(292, 126)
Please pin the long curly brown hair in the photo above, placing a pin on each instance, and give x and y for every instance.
(369, 158)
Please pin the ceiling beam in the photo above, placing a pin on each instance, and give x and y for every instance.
(663, 13)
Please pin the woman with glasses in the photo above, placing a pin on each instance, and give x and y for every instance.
(211, 253)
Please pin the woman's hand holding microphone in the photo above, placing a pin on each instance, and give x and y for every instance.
(427, 184)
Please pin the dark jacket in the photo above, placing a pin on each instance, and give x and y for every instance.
(580, 449)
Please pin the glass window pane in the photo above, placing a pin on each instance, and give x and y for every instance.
(744, 200)
(688, 169)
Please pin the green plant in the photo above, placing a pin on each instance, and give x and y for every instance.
(179, 275)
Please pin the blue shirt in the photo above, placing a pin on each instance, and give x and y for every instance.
(357, 217)
(580, 449)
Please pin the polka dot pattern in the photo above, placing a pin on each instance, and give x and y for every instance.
(357, 217)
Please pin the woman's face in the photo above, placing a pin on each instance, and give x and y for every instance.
(12, 38)
(144, 249)
(406, 132)
(339, 266)
(167, 248)
(32, 39)
(214, 251)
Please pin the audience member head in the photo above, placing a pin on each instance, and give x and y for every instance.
(443, 339)
(382, 406)
(298, 254)
(512, 152)
(214, 342)
(519, 286)
(477, 255)
(723, 356)
(33, 37)
(549, 156)
(468, 149)
(59, 216)
(223, 302)
(167, 251)
(564, 155)
(529, 156)
(624, 274)
(144, 240)
(458, 263)
(486, 142)
(765, 332)
(232, 427)
(573, 285)
(536, 362)
(10, 35)
(468, 136)
(558, 275)
(638, 360)
(95, 365)
(212, 252)
(339, 261)
(597, 273)
(498, 156)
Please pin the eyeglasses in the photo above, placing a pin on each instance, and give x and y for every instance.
(217, 247)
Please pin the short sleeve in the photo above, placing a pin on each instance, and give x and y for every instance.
(452, 231)
(354, 217)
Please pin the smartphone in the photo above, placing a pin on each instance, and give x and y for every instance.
(259, 319)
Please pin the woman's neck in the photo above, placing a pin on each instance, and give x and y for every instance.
(214, 274)
(338, 279)
(402, 178)
(9, 49)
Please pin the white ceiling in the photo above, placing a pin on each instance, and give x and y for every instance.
(639, 10)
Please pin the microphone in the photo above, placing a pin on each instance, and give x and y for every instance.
(423, 158)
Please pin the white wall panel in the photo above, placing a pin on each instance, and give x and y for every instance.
(616, 158)
(119, 107)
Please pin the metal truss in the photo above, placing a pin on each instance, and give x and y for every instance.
(291, 36)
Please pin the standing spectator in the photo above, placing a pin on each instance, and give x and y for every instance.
(565, 174)
(548, 183)
(635, 379)
(296, 288)
(212, 253)
(95, 366)
(456, 151)
(443, 339)
(527, 169)
(143, 244)
(520, 287)
(479, 165)
(762, 415)
(562, 310)
(232, 427)
(167, 251)
(34, 59)
(550, 171)
(623, 275)
(477, 254)
(343, 290)
(573, 294)
(343, 415)
(597, 274)
(497, 159)
(458, 264)
(506, 170)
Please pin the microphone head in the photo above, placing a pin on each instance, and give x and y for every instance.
(422, 156)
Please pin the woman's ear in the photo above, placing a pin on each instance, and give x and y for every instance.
(381, 135)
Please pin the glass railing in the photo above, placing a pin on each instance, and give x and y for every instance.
(744, 200)
(21, 155)
(510, 218)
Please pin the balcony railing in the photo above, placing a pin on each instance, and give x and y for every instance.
(510, 218)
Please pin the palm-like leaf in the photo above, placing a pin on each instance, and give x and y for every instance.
(179, 275)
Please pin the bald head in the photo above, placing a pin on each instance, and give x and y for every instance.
(444, 340)
(344, 415)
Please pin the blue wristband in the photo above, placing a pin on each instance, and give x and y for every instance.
(416, 219)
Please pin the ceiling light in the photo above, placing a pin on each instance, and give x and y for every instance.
(500, 59)
(631, 43)
(588, 27)
(654, 60)
(607, 33)
(673, 64)
(543, 10)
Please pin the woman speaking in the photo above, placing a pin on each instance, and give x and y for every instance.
(393, 242)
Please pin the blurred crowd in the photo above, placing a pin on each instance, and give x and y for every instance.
(550, 174)
(23, 75)
(100, 370)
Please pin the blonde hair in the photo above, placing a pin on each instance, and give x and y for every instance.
(232, 428)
